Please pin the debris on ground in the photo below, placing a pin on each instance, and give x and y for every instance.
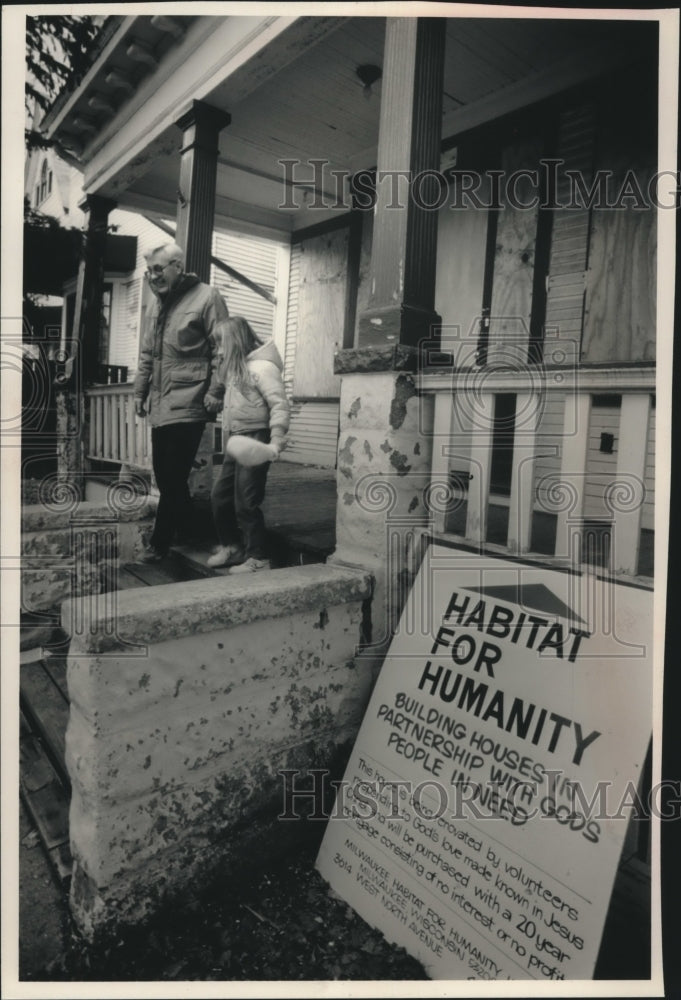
(284, 923)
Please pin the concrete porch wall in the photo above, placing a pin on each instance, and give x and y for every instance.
(174, 747)
(74, 551)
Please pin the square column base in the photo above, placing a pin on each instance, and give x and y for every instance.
(401, 324)
(383, 477)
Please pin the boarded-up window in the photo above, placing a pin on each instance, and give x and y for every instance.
(461, 249)
(511, 306)
(621, 279)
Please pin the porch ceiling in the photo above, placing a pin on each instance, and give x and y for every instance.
(313, 105)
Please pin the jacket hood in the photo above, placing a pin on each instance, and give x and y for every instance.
(267, 352)
(186, 282)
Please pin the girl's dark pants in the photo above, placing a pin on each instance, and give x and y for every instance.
(236, 499)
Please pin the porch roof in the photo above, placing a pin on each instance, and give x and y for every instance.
(291, 87)
(52, 254)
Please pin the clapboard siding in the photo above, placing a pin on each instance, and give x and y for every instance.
(313, 434)
(570, 234)
(125, 339)
(257, 260)
(292, 317)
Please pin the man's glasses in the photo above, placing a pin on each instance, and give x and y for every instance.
(156, 270)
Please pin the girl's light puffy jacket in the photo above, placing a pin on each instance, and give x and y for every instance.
(259, 402)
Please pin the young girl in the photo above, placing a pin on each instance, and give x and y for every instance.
(256, 406)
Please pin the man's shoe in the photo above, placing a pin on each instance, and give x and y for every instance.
(226, 555)
(152, 555)
(251, 565)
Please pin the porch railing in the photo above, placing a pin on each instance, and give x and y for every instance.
(463, 457)
(117, 434)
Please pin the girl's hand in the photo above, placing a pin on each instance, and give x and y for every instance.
(212, 403)
(279, 443)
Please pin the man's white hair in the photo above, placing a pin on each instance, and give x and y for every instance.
(171, 250)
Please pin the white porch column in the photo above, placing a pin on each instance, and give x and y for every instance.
(632, 446)
(481, 466)
(573, 472)
(385, 437)
(527, 411)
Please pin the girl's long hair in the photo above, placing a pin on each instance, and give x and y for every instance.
(238, 340)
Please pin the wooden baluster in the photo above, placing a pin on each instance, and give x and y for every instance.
(100, 427)
(573, 473)
(114, 428)
(481, 466)
(628, 499)
(107, 427)
(527, 411)
(92, 403)
(122, 413)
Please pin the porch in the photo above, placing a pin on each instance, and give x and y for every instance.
(538, 462)
(501, 448)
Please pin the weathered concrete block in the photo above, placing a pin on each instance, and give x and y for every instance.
(66, 553)
(230, 833)
(396, 357)
(171, 746)
(384, 466)
(152, 615)
(124, 507)
(42, 589)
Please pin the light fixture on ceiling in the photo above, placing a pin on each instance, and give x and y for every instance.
(368, 74)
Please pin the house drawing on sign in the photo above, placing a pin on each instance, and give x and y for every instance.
(453, 220)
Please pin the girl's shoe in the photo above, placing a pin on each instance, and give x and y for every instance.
(251, 565)
(152, 555)
(225, 555)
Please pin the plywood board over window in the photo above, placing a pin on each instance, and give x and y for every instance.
(621, 280)
(621, 277)
(514, 259)
(321, 313)
(461, 248)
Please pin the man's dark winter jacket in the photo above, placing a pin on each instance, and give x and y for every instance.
(180, 352)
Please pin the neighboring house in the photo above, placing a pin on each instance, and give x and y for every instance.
(53, 188)
(486, 336)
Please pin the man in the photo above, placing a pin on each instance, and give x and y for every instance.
(177, 368)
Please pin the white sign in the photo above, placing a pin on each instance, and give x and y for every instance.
(485, 803)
